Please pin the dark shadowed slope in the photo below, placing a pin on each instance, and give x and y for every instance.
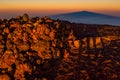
(89, 18)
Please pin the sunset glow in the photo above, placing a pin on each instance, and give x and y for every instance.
(49, 7)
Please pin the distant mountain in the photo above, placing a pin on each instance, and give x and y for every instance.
(88, 17)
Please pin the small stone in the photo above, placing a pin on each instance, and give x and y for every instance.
(38, 61)
(4, 77)
(107, 61)
(44, 78)
(6, 30)
(77, 43)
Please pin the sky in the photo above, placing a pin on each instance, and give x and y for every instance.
(12, 8)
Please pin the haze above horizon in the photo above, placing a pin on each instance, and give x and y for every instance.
(12, 8)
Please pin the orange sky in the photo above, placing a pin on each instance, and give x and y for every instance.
(48, 7)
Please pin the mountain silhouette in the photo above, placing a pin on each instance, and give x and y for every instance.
(88, 18)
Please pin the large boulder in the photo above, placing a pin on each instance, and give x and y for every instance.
(25, 17)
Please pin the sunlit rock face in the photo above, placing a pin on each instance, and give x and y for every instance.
(27, 43)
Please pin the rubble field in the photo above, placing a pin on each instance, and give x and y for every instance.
(46, 49)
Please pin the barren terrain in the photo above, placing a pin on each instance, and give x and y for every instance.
(45, 49)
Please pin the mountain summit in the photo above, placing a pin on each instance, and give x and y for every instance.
(89, 18)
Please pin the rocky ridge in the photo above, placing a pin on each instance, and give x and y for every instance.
(26, 43)
(45, 49)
